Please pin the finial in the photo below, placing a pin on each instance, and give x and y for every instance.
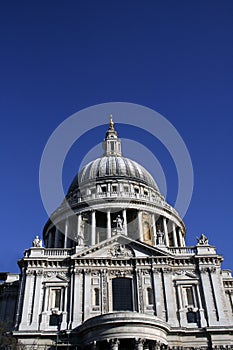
(111, 123)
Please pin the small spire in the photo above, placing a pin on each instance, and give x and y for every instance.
(111, 123)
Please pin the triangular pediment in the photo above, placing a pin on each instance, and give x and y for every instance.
(120, 246)
(53, 276)
(185, 274)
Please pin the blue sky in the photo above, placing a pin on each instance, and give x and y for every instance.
(58, 57)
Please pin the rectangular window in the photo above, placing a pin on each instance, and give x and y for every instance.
(150, 300)
(96, 297)
(55, 298)
(188, 296)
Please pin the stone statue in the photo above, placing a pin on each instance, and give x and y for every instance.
(79, 240)
(37, 243)
(160, 236)
(203, 240)
(119, 223)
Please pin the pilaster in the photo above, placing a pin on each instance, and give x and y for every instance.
(158, 294)
(36, 302)
(87, 293)
(169, 297)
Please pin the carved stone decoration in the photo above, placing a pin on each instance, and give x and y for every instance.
(119, 223)
(30, 272)
(56, 274)
(104, 292)
(140, 290)
(37, 243)
(139, 343)
(39, 272)
(121, 273)
(120, 250)
(203, 240)
(114, 343)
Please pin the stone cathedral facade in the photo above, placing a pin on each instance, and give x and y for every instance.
(114, 271)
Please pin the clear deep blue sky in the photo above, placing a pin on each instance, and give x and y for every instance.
(58, 57)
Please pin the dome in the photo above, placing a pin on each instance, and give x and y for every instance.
(113, 166)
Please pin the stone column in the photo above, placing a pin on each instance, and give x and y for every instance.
(174, 235)
(166, 241)
(140, 233)
(57, 235)
(93, 227)
(154, 229)
(114, 343)
(180, 237)
(78, 224)
(109, 224)
(125, 221)
(66, 233)
(50, 239)
(79, 231)
(108, 189)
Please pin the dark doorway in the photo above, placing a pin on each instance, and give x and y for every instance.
(122, 294)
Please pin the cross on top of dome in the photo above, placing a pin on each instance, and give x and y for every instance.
(111, 123)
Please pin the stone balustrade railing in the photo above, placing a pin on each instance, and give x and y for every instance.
(182, 250)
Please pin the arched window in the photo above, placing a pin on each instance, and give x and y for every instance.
(122, 294)
(150, 296)
(96, 296)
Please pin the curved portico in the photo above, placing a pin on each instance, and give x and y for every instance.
(138, 330)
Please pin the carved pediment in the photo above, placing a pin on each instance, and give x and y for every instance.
(54, 276)
(120, 246)
(184, 274)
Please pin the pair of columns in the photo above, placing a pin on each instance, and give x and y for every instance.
(109, 225)
(175, 235)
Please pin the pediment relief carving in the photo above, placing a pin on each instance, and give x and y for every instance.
(54, 276)
(121, 250)
(185, 274)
